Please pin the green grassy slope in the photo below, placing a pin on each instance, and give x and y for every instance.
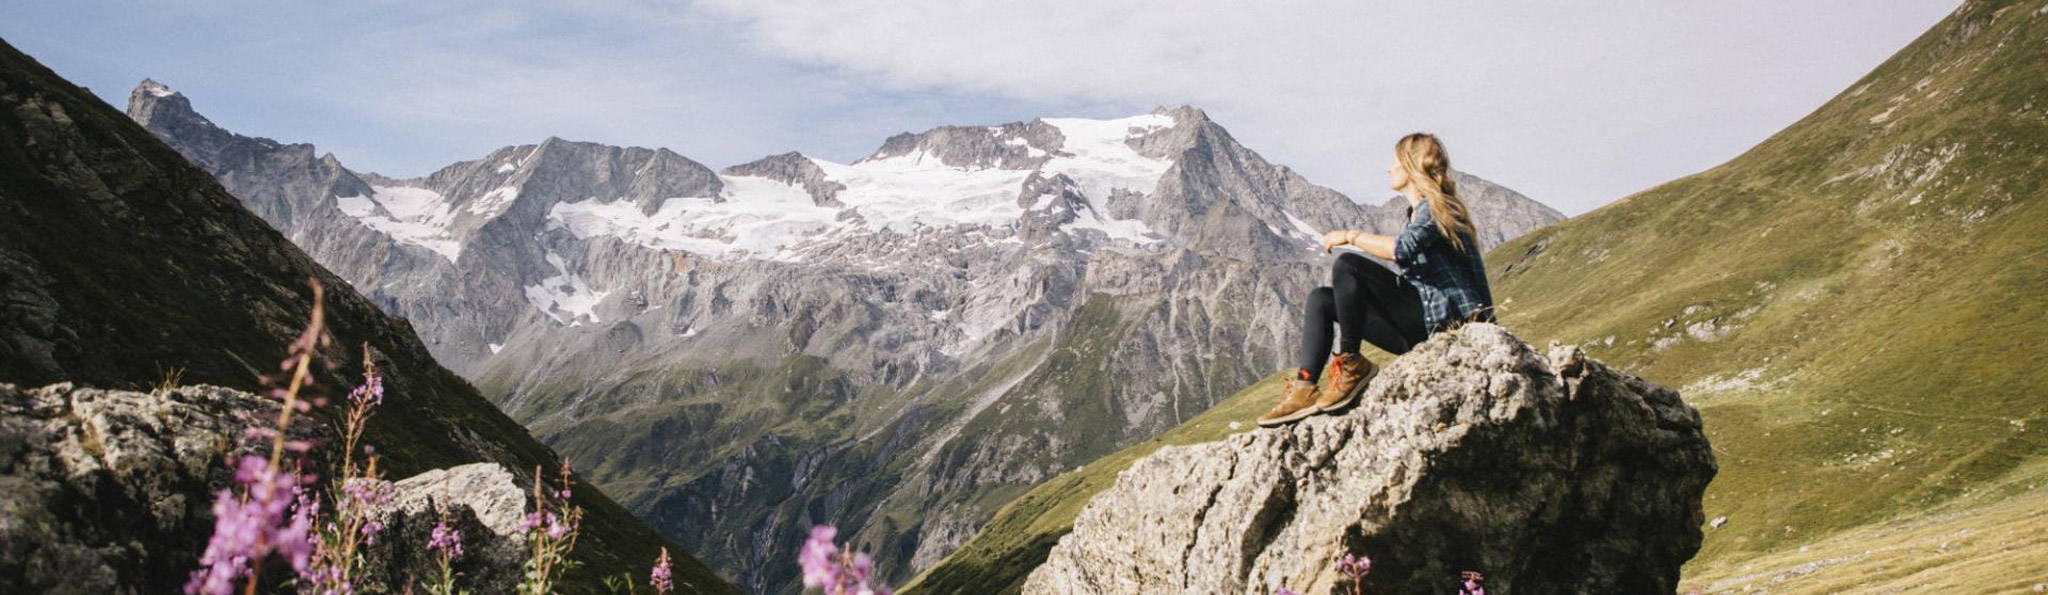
(119, 260)
(1856, 305)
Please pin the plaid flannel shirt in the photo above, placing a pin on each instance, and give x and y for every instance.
(1452, 282)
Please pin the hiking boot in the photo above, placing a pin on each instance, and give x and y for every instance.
(1299, 402)
(1347, 376)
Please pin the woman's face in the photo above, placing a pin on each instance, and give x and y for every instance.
(1397, 176)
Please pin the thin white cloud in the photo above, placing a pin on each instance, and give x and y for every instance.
(1575, 103)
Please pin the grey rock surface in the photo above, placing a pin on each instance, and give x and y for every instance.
(481, 502)
(1473, 452)
(105, 491)
(109, 491)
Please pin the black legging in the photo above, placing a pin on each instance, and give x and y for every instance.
(1370, 303)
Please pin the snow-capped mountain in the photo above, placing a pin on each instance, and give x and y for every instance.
(895, 345)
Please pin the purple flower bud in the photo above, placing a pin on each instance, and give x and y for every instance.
(836, 570)
(270, 516)
(446, 539)
(659, 578)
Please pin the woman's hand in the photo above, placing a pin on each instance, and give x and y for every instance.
(1370, 243)
(1337, 238)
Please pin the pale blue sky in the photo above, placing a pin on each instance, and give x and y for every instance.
(1574, 102)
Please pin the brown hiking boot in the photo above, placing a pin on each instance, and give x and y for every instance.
(1299, 402)
(1347, 376)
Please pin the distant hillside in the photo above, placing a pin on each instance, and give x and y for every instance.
(121, 262)
(1855, 305)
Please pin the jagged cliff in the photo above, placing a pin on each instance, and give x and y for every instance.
(1548, 474)
(123, 265)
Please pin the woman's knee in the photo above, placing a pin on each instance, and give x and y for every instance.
(1348, 268)
(1322, 298)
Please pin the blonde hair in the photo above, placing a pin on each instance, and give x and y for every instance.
(1429, 172)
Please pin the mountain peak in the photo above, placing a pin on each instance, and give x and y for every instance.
(1184, 114)
(154, 88)
(152, 101)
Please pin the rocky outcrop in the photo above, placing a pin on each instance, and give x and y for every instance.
(481, 501)
(110, 491)
(1548, 475)
(795, 169)
(105, 491)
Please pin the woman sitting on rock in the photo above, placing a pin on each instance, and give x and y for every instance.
(1442, 282)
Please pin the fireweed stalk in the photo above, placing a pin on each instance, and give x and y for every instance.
(274, 513)
(263, 514)
(1354, 567)
(360, 493)
(660, 576)
(834, 569)
(550, 535)
(446, 542)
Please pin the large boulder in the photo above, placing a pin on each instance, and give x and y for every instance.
(110, 491)
(481, 501)
(1473, 452)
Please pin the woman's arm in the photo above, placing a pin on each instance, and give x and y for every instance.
(1420, 233)
(1372, 243)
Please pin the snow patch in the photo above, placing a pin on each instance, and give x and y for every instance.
(1099, 157)
(1128, 230)
(494, 202)
(1306, 230)
(567, 298)
(415, 216)
(916, 189)
(497, 347)
(760, 217)
(506, 168)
